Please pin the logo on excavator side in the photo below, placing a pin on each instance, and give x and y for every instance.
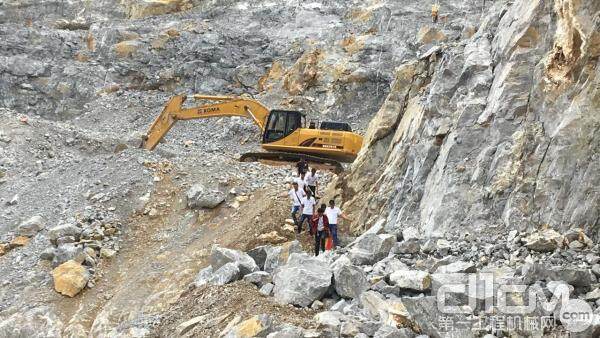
(210, 110)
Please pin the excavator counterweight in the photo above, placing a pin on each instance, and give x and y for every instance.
(283, 131)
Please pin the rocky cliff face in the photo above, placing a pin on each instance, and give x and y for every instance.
(330, 58)
(496, 132)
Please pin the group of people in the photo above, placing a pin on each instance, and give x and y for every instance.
(322, 221)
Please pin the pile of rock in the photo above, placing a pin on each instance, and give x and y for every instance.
(83, 241)
(256, 266)
(378, 286)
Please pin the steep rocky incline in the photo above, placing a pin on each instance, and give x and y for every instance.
(500, 131)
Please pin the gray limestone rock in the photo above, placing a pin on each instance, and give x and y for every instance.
(571, 275)
(258, 278)
(31, 226)
(302, 280)
(441, 153)
(425, 313)
(66, 252)
(407, 247)
(267, 289)
(350, 281)
(225, 274)
(287, 331)
(63, 230)
(412, 280)
(259, 254)
(200, 196)
(371, 248)
(203, 276)
(220, 256)
(279, 255)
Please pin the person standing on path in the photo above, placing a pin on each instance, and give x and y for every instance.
(320, 226)
(312, 181)
(308, 207)
(296, 196)
(301, 181)
(333, 213)
(302, 166)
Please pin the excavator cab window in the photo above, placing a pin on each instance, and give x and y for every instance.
(281, 123)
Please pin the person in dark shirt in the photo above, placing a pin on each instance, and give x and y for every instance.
(302, 166)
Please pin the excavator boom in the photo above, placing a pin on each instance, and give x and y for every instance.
(284, 135)
(225, 106)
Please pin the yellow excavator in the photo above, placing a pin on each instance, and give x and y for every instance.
(285, 134)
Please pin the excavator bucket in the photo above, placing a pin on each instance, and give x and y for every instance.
(164, 122)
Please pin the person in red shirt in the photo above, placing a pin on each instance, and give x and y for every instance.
(320, 227)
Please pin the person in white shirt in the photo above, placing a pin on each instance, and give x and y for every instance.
(301, 182)
(308, 207)
(296, 195)
(312, 181)
(333, 213)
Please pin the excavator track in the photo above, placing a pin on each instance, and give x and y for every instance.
(291, 157)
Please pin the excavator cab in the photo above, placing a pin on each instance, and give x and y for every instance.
(282, 123)
(284, 135)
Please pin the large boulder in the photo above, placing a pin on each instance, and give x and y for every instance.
(31, 226)
(350, 281)
(63, 230)
(571, 275)
(411, 279)
(329, 322)
(220, 256)
(227, 273)
(302, 280)
(371, 248)
(407, 247)
(279, 255)
(259, 254)
(388, 265)
(70, 278)
(544, 241)
(199, 196)
(425, 313)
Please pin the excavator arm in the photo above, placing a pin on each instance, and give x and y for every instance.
(225, 106)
